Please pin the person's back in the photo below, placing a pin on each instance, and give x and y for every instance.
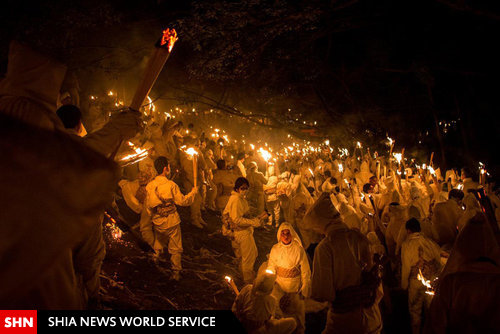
(474, 297)
(397, 215)
(224, 181)
(445, 218)
(55, 177)
(339, 260)
(53, 191)
(254, 307)
(255, 195)
(466, 299)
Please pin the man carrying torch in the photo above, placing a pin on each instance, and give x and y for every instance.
(162, 197)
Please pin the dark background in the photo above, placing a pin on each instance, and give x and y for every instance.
(361, 69)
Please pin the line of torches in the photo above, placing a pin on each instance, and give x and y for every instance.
(295, 149)
(292, 150)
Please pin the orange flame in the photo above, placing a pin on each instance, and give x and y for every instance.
(426, 283)
(169, 38)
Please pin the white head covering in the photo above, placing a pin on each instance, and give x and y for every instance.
(286, 226)
(322, 214)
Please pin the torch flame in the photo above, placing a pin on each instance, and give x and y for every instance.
(169, 38)
(140, 154)
(398, 157)
(151, 104)
(116, 232)
(191, 151)
(265, 154)
(425, 283)
(228, 279)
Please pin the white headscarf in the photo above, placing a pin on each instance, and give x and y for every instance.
(286, 226)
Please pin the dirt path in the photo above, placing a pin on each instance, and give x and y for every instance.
(131, 279)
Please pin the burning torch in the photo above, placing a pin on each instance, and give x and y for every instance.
(266, 156)
(482, 172)
(194, 156)
(425, 282)
(232, 285)
(138, 155)
(158, 58)
(314, 180)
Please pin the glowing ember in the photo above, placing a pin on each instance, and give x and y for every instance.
(358, 144)
(327, 142)
(252, 146)
(116, 232)
(228, 279)
(460, 187)
(110, 93)
(310, 170)
(269, 271)
(169, 38)
(391, 141)
(341, 168)
(432, 171)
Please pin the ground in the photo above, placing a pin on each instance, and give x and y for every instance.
(131, 279)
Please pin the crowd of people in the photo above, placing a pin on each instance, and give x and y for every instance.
(349, 227)
(340, 218)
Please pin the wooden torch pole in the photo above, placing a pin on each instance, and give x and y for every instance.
(155, 64)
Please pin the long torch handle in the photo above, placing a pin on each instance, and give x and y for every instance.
(233, 287)
(151, 73)
(155, 64)
(195, 170)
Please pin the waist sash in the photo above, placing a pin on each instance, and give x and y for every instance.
(288, 272)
